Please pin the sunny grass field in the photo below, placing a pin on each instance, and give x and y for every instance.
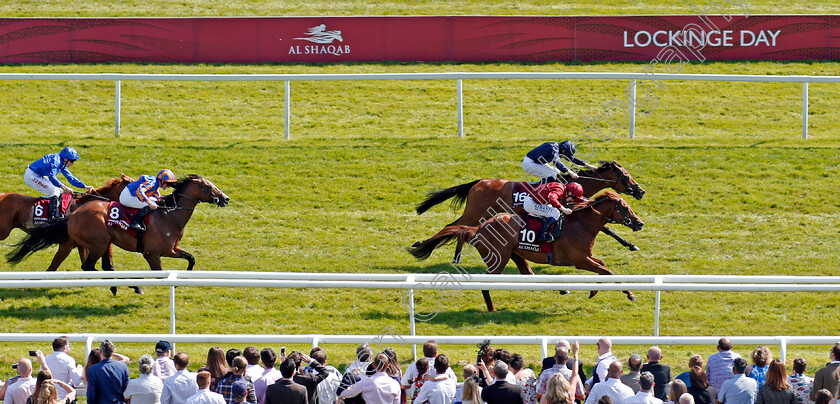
(731, 189)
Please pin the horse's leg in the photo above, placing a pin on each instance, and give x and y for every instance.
(154, 261)
(595, 265)
(608, 231)
(64, 249)
(496, 261)
(177, 252)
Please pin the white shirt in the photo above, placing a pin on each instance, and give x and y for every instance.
(267, 378)
(411, 374)
(603, 365)
(63, 367)
(20, 390)
(145, 389)
(253, 372)
(164, 367)
(377, 389)
(179, 387)
(205, 396)
(613, 388)
(641, 397)
(437, 392)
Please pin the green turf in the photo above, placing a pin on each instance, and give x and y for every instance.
(731, 189)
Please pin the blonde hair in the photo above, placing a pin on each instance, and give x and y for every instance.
(677, 389)
(47, 394)
(761, 356)
(470, 391)
(556, 391)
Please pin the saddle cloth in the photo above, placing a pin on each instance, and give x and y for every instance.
(529, 234)
(120, 216)
(41, 208)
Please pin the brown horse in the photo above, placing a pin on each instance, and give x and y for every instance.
(486, 198)
(497, 239)
(16, 213)
(86, 226)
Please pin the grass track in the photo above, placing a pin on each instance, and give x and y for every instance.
(732, 189)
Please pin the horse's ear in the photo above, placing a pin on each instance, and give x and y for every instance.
(615, 163)
(126, 178)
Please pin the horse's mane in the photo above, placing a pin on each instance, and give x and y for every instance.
(605, 165)
(110, 184)
(184, 181)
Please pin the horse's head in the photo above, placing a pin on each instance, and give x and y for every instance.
(202, 190)
(624, 183)
(616, 210)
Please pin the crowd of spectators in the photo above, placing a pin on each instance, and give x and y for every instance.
(262, 377)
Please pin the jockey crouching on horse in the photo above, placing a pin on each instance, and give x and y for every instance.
(556, 196)
(41, 176)
(537, 161)
(143, 194)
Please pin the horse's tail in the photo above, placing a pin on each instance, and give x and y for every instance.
(38, 239)
(423, 249)
(435, 197)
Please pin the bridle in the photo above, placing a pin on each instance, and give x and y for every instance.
(626, 217)
(202, 187)
(623, 178)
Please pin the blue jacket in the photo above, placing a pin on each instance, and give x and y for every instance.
(49, 166)
(107, 381)
(549, 152)
(144, 188)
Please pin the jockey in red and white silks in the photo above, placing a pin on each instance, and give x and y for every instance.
(552, 197)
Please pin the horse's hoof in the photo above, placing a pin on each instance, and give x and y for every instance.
(631, 297)
(592, 293)
(564, 292)
(416, 244)
(114, 290)
(633, 247)
(138, 290)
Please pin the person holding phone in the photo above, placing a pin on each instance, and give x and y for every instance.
(17, 390)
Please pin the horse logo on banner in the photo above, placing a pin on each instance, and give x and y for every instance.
(320, 35)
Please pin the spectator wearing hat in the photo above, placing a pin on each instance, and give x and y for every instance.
(164, 367)
(180, 386)
(108, 379)
(225, 386)
(240, 391)
(285, 390)
(204, 395)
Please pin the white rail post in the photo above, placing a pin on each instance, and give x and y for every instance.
(545, 347)
(783, 349)
(315, 340)
(411, 312)
(805, 110)
(287, 106)
(460, 86)
(172, 276)
(657, 281)
(632, 108)
(117, 88)
(88, 345)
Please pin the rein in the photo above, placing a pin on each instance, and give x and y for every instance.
(83, 194)
(597, 179)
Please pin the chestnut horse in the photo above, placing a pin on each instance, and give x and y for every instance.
(86, 226)
(486, 198)
(496, 240)
(16, 213)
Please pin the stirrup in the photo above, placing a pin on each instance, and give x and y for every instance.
(137, 226)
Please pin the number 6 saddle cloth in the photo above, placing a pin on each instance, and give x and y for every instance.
(41, 208)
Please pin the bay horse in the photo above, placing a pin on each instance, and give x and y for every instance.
(16, 212)
(497, 239)
(86, 226)
(486, 198)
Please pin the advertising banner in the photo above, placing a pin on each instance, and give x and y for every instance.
(711, 34)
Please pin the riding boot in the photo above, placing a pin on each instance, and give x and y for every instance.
(54, 210)
(558, 227)
(544, 235)
(137, 222)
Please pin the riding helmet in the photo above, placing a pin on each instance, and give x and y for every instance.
(69, 153)
(568, 148)
(575, 190)
(166, 176)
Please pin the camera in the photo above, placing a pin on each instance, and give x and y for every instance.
(282, 351)
(14, 366)
(33, 353)
(482, 349)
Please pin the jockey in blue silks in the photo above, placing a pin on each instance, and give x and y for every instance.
(41, 176)
(539, 161)
(143, 194)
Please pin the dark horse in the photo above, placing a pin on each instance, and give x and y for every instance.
(496, 240)
(16, 213)
(486, 198)
(86, 226)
